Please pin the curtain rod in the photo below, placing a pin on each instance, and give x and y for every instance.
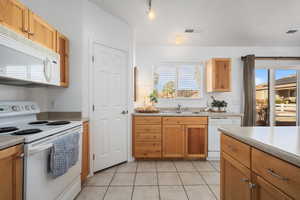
(274, 58)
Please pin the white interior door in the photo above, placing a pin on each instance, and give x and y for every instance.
(109, 118)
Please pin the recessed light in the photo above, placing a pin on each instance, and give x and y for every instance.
(292, 31)
(189, 30)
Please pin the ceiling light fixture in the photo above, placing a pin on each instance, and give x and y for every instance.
(292, 31)
(151, 13)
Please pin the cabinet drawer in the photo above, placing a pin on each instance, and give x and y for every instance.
(148, 150)
(147, 120)
(281, 174)
(185, 120)
(147, 137)
(148, 129)
(236, 149)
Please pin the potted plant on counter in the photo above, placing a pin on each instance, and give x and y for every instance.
(218, 106)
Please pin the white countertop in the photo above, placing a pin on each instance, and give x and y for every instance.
(282, 142)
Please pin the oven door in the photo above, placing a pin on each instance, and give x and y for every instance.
(38, 183)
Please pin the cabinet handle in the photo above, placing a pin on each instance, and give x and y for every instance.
(245, 180)
(252, 185)
(274, 174)
(20, 156)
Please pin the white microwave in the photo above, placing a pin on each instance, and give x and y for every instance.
(22, 62)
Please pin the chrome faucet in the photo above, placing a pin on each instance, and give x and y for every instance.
(179, 108)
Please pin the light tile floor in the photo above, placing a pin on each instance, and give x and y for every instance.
(156, 180)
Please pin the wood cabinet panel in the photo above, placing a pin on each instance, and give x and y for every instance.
(41, 32)
(236, 149)
(147, 120)
(14, 16)
(218, 72)
(148, 129)
(235, 179)
(148, 150)
(62, 48)
(266, 191)
(185, 120)
(11, 173)
(280, 173)
(85, 170)
(196, 141)
(173, 141)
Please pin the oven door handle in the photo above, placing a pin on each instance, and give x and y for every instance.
(40, 148)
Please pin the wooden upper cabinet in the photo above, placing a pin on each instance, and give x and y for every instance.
(173, 141)
(14, 16)
(235, 179)
(196, 141)
(41, 32)
(62, 48)
(11, 173)
(218, 71)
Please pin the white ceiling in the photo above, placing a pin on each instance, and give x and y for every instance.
(219, 22)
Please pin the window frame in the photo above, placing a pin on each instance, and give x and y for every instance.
(176, 64)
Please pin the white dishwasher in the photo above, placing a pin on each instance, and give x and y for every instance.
(214, 135)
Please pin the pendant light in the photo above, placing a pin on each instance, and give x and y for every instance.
(151, 13)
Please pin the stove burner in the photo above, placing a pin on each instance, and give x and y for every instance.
(27, 132)
(38, 122)
(58, 123)
(8, 129)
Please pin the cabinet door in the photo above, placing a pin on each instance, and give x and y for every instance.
(14, 16)
(222, 75)
(173, 141)
(235, 179)
(41, 32)
(196, 141)
(266, 191)
(63, 50)
(11, 173)
(85, 152)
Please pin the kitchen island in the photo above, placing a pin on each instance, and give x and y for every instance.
(260, 163)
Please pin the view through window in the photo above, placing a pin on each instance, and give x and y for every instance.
(178, 80)
(284, 91)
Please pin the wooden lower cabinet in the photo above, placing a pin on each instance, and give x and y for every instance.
(169, 137)
(196, 141)
(85, 168)
(235, 179)
(11, 173)
(266, 191)
(267, 178)
(173, 141)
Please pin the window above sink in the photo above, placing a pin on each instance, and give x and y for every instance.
(179, 80)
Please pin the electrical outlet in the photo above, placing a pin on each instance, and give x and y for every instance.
(53, 104)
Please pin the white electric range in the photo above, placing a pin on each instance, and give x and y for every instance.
(19, 118)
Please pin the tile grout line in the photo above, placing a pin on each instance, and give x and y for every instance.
(110, 183)
(178, 174)
(134, 179)
(205, 182)
(159, 196)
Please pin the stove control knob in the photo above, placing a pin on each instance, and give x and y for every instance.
(33, 107)
(27, 107)
(15, 108)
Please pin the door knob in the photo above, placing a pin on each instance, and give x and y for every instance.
(124, 112)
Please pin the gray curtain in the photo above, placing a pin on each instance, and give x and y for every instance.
(249, 91)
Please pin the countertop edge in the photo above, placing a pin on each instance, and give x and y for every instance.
(10, 142)
(190, 115)
(279, 153)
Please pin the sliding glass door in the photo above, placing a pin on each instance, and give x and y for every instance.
(276, 96)
(285, 97)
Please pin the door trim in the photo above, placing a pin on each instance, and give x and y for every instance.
(91, 42)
